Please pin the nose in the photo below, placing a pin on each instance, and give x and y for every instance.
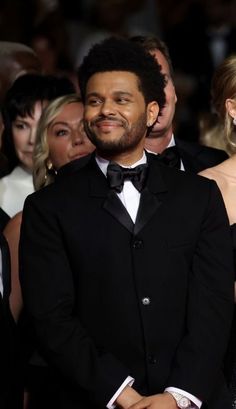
(107, 108)
(77, 137)
(32, 136)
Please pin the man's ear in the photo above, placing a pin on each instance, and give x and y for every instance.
(152, 113)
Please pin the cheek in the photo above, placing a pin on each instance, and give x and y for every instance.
(89, 113)
(58, 153)
(19, 140)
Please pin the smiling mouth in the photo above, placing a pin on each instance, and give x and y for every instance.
(108, 124)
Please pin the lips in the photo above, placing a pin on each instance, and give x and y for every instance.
(107, 126)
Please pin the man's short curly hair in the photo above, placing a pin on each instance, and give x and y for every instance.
(119, 54)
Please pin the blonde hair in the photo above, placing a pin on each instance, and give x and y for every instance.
(223, 87)
(42, 173)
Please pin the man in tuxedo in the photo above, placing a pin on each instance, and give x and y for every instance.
(127, 271)
(186, 155)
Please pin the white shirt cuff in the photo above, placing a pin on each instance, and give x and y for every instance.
(128, 381)
(196, 402)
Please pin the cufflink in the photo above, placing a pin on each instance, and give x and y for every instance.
(181, 400)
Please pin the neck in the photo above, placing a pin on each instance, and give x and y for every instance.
(157, 144)
(125, 158)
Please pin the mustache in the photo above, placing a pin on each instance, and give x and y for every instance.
(107, 118)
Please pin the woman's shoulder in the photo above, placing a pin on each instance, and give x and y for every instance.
(13, 225)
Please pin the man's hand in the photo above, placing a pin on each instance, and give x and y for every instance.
(161, 401)
(128, 397)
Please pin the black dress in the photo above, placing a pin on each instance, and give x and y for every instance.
(230, 363)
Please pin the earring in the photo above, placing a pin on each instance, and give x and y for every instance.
(50, 169)
(234, 120)
(49, 165)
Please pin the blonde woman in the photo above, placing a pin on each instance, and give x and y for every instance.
(224, 102)
(60, 139)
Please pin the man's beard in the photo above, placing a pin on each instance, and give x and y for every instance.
(125, 143)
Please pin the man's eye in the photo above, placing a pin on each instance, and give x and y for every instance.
(94, 102)
(122, 100)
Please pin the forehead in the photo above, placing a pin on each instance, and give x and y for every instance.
(73, 109)
(113, 81)
(162, 61)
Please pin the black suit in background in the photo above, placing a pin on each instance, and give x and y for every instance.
(109, 299)
(195, 157)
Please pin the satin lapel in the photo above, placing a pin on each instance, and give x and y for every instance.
(148, 205)
(111, 204)
(151, 197)
(115, 207)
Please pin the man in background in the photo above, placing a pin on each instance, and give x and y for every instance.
(189, 156)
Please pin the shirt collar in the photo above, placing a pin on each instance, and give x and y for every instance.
(103, 163)
(172, 141)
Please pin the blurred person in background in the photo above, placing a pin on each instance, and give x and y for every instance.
(16, 59)
(21, 111)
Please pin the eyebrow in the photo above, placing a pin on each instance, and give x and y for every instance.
(58, 123)
(96, 94)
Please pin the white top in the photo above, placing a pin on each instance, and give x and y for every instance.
(14, 188)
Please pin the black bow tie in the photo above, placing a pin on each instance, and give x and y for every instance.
(116, 175)
(170, 157)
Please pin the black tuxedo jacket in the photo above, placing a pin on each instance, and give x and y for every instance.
(109, 299)
(196, 157)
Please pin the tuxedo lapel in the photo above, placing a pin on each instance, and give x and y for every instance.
(115, 207)
(148, 205)
(150, 199)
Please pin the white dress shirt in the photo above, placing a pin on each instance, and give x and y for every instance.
(130, 198)
(14, 188)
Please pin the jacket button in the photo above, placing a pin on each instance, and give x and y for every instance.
(137, 244)
(146, 301)
(152, 359)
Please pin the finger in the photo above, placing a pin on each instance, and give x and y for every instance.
(141, 404)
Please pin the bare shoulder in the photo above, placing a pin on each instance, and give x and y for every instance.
(216, 173)
(210, 173)
(13, 226)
